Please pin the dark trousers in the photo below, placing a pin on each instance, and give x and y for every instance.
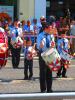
(28, 65)
(15, 56)
(9, 44)
(62, 70)
(45, 76)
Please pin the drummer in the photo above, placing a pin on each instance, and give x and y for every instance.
(16, 35)
(62, 44)
(44, 40)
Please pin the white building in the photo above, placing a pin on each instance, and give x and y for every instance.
(28, 9)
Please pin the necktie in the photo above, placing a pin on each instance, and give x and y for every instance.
(63, 43)
(26, 52)
(47, 40)
(16, 32)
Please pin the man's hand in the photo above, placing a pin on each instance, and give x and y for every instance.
(42, 44)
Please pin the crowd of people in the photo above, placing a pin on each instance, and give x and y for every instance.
(34, 38)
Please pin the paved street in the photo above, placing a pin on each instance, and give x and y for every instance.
(11, 80)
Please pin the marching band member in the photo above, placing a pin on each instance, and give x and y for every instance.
(29, 52)
(43, 43)
(63, 44)
(16, 43)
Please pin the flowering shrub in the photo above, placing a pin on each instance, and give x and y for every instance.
(4, 16)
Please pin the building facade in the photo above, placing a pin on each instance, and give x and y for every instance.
(28, 9)
(37, 8)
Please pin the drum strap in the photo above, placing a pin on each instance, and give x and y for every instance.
(26, 52)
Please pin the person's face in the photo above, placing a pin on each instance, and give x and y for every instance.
(6, 25)
(47, 30)
(64, 20)
(10, 21)
(29, 43)
(61, 19)
(63, 35)
(28, 23)
(35, 21)
(23, 22)
(15, 23)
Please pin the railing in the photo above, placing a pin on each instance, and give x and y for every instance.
(39, 96)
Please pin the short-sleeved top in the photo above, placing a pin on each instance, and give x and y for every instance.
(62, 44)
(42, 38)
(27, 28)
(26, 52)
(16, 32)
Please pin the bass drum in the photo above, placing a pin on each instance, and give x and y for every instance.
(3, 49)
(3, 59)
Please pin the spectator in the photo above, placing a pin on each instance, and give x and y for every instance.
(63, 26)
(35, 26)
(28, 28)
(23, 23)
(42, 21)
(72, 33)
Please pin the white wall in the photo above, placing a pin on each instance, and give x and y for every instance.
(31, 8)
(26, 9)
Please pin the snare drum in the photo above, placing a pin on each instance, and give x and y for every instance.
(64, 55)
(3, 49)
(17, 42)
(52, 58)
(50, 55)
